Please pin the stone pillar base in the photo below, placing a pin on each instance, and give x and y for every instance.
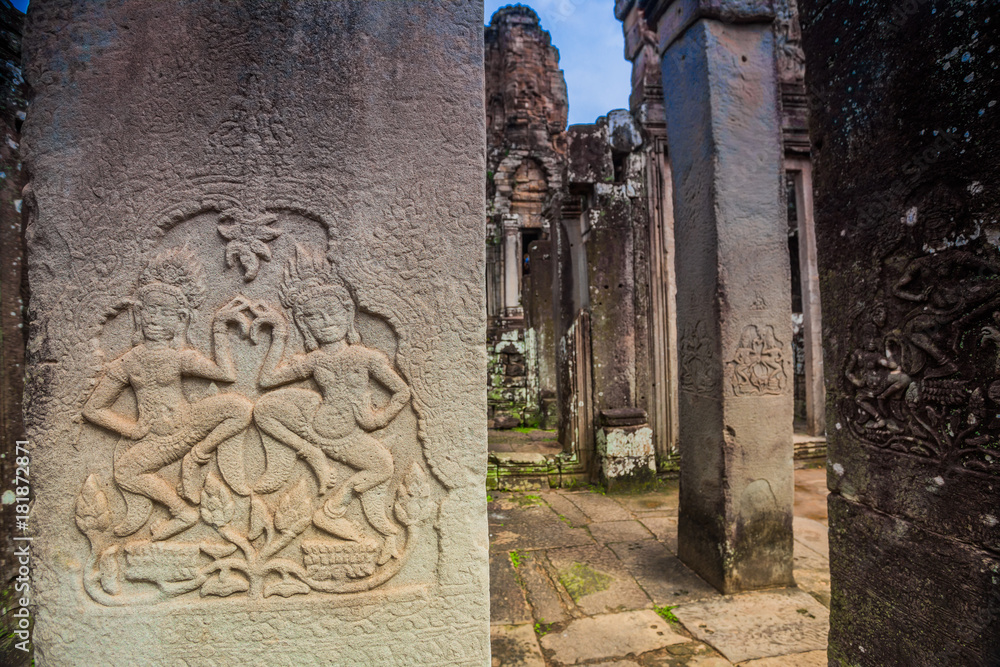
(625, 449)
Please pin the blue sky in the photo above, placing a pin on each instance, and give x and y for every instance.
(591, 46)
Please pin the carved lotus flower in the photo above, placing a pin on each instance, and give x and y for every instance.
(217, 504)
(248, 235)
(92, 511)
(294, 509)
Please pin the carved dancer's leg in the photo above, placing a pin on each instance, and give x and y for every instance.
(284, 415)
(374, 465)
(213, 420)
(136, 471)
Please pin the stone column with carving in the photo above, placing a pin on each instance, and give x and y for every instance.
(906, 129)
(254, 391)
(735, 522)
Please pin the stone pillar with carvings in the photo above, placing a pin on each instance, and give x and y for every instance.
(906, 127)
(735, 412)
(255, 360)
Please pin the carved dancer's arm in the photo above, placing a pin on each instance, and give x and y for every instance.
(97, 409)
(380, 369)
(222, 369)
(275, 373)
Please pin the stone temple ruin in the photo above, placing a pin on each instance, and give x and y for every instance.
(260, 276)
(583, 333)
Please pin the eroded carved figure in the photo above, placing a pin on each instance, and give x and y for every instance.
(168, 427)
(930, 386)
(337, 421)
(758, 365)
(228, 530)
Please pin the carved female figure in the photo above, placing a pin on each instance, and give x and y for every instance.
(168, 427)
(337, 421)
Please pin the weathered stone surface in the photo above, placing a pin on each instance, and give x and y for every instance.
(619, 531)
(515, 646)
(810, 659)
(733, 307)
(812, 534)
(758, 625)
(531, 525)
(664, 578)
(664, 528)
(870, 554)
(610, 635)
(598, 507)
(225, 202)
(596, 580)
(812, 573)
(537, 577)
(905, 124)
(507, 602)
(693, 654)
(564, 508)
(13, 331)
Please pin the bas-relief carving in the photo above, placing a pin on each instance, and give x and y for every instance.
(923, 374)
(758, 365)
(239, 514)
(791, 59)
(696, 360)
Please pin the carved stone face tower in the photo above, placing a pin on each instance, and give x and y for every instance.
(526, 109)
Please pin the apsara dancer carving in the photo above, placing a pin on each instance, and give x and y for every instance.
(336, 422)
(169, 427)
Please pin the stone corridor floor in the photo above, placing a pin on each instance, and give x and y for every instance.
(580, 578)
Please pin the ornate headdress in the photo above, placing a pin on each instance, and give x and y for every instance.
(176, 272)
(306, 276)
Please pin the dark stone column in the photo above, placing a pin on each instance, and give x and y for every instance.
(906, 129)
(733, 305)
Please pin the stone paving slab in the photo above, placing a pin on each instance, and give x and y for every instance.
(810, 659)
(758, 625)
(610, 636)
(515, 646)
(563, 507)
(661, 574)
(693, 654)
(597, 580)
(544, 596)
(657, 502)
(812, 573)
(597, 507)
(810, 494)
(529, 526)
(507, 602)
(664, 528)
(619, 531)
(812, 534)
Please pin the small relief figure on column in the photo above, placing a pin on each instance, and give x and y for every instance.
(169, 427)
(876, 378)
(335, 423)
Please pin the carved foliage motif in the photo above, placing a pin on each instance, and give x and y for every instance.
(198, 514)
(923, 374)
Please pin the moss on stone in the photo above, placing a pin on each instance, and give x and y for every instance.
(580, 580)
